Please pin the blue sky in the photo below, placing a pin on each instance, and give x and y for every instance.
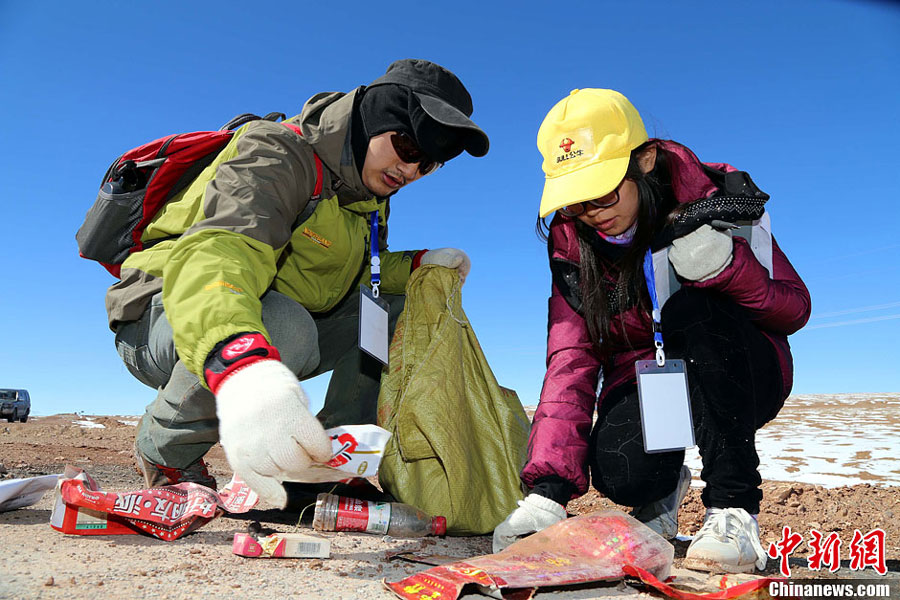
(803, 95)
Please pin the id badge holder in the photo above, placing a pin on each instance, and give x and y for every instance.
(373, 325)
(665, 405)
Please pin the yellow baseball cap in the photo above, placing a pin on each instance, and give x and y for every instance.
(586, 141)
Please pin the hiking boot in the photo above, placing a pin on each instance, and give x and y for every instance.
(662, 516)
(728, 542)
(157, 475)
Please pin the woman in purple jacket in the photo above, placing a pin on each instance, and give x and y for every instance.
(614, 194)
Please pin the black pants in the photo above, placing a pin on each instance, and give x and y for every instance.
(735, 385)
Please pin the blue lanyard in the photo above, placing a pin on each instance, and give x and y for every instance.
(375, 262)
(657, 314)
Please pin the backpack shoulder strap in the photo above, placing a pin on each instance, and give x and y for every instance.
(245, 118)
(734, 183)
(317, 191)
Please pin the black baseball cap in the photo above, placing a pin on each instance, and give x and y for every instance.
(441, 95)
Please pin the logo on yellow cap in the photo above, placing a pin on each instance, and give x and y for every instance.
(573, 148)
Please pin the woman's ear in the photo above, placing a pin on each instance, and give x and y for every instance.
(647, 158)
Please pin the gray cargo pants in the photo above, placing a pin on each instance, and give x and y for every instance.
(180, 426)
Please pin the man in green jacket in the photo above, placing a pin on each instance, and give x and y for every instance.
(239, 292)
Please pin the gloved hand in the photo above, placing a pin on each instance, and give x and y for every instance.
(453, 258)
(534, 513)
(266, 429)
(701, 254)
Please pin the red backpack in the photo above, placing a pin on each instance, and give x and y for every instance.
(142, 180)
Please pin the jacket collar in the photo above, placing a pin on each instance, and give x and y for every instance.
(689, 179)
(325, 122)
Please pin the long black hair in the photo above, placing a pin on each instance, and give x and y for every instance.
(614, 281)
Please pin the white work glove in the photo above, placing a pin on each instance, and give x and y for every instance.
(534, 513)
(452, 258)
(266, 429)
(701, 254)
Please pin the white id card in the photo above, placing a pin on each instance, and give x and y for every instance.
(373, 325)
(665, 406)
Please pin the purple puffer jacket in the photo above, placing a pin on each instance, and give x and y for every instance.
(559, 435)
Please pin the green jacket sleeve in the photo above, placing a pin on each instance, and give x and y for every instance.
(395, 271)
(224, 262)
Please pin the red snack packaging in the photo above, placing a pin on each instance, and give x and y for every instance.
(167, 513)
(605, 545)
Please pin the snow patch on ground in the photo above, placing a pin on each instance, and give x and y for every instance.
(831, 440)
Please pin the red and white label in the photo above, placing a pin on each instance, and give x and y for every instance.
(360, 515)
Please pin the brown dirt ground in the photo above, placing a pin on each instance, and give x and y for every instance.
(46, 444)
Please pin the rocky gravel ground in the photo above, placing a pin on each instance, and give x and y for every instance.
(38, 562)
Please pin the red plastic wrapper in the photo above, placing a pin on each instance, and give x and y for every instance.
(601, 546)
(758, 589)
(593, 547)
(167, 513)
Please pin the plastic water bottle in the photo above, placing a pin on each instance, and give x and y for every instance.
(339, 513)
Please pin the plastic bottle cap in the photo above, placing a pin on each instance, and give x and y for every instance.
(439, 525)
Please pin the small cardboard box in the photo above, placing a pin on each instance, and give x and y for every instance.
(281, 545)
(76, 520)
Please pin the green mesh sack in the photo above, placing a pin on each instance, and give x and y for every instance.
(459, 438)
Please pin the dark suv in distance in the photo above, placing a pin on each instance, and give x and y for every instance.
(14, 405)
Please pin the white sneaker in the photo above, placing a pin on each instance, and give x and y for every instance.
(728, 541)
(662, 516)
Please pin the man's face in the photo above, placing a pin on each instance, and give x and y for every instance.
(383, 172)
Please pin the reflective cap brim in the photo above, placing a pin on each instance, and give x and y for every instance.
(587, 183)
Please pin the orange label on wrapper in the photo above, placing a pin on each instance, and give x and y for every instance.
(444, 582)
(360, 515)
